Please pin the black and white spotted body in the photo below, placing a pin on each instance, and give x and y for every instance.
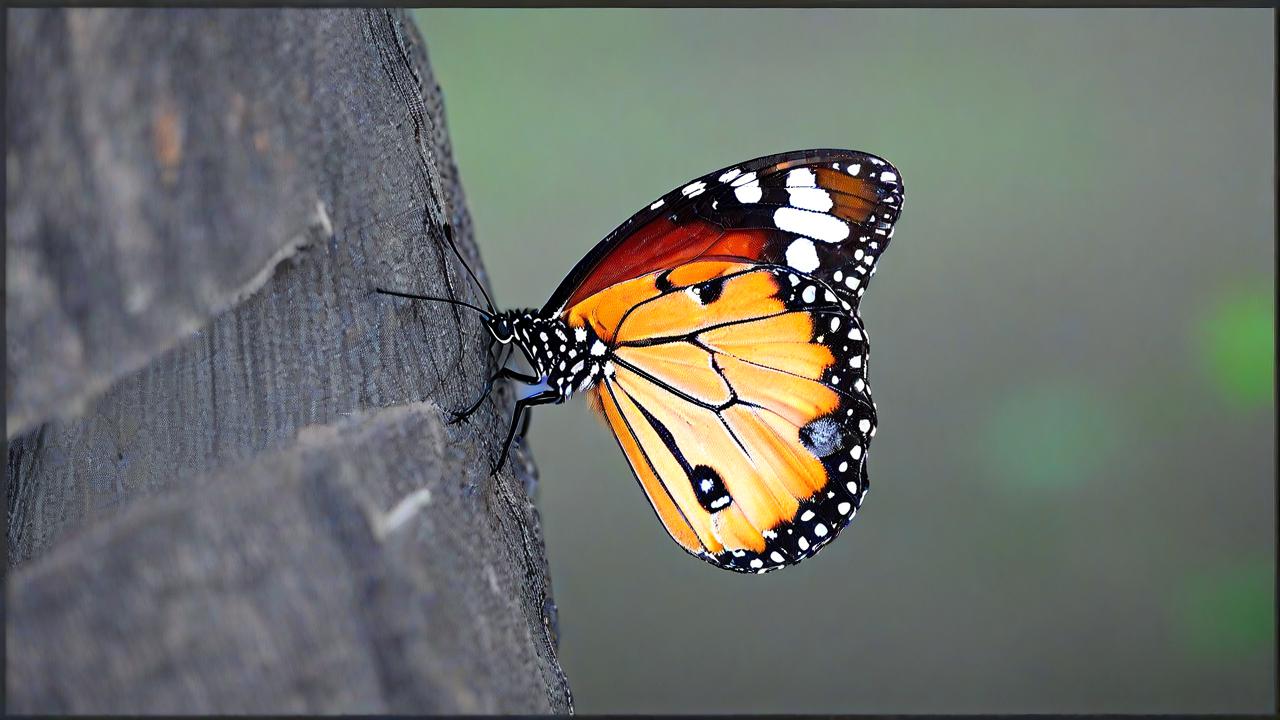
(565, 360)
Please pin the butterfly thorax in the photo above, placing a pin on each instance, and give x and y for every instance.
(566, 359)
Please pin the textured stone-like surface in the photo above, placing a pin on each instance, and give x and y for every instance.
(313, 341)
(195, 316)
(333, 576)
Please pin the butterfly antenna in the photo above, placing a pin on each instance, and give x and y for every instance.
(450, 301)
(448, 235)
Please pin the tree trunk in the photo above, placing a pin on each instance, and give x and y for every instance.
(231, 485)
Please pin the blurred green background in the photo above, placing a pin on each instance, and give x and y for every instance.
(1072, 348)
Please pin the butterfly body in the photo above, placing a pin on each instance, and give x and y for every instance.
(564, 359)
(717, 334)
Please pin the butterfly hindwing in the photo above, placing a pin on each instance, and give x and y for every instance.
(738, 393)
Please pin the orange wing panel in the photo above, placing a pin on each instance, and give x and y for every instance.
(696, 272)
(780, 342)
(797, 400)
(604, 310)
(682, 366)
(735, 531)
(741, 297)
(676, 523)
(704, 440)
(787, 468)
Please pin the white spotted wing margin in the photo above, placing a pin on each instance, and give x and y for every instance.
(833, 212)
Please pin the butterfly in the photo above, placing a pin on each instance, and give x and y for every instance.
(717, 334)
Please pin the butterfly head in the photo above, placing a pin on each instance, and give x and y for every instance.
(502, 326)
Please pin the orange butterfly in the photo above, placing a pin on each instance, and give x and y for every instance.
(717, 332)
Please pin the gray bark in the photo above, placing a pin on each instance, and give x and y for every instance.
(230, 485)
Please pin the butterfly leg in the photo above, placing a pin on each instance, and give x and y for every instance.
(502, 374)
(542, 397)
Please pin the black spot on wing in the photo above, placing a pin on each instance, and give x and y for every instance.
(708, 291)
(822, 436)
(663, 282)
(709, 489)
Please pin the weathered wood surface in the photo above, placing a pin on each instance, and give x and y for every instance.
(208, 407)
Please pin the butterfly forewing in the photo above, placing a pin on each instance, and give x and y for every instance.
(829, 213)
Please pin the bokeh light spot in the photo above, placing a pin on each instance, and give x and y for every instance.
(1235, 342)
(1228, 612)
(1050, 435)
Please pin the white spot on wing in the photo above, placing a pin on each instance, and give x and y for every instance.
(730, 174)
(657, 204)
(818, 226)
(811, 198)
(801, 177)
(802, 256)
(750, 193)
(694, 190)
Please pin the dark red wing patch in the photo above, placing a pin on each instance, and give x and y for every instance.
(661, 243)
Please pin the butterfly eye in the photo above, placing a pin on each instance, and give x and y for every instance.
(501, 330)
